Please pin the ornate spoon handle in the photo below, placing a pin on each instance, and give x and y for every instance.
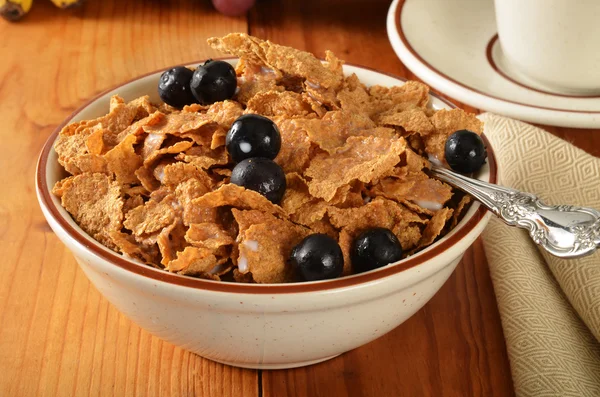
(563, 230)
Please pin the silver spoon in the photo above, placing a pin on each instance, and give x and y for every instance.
(563, 230)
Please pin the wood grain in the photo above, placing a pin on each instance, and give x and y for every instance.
(58, 336)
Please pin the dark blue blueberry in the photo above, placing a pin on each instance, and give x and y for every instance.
(174, 87)
(465, 151)
(375, 248)
(253, 135)
(213, 82)
(317, 257)
(261, 175)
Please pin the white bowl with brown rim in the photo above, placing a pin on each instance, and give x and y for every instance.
(258, 325)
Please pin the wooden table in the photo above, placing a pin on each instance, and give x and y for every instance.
(58, 336)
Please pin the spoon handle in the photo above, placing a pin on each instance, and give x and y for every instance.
(563, 230)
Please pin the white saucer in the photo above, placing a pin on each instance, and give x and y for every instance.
(453, 47)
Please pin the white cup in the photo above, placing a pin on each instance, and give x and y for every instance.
(554, 44)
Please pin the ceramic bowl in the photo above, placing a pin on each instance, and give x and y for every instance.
(251, 325)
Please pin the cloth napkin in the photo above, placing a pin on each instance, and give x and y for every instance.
(549, 307)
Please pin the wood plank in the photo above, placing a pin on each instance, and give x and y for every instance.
(58, 335)
(454, 345)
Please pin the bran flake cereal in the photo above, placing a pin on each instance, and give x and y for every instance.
(279, 103)
(149, 218)
(122, 161)
(95, 202)
(208, 235)
(225, 113)
(460, 209)
(264, 249)
(152, 182)
(435, 226)
(295, 145)
(170, 240)
(411, 120)
(361, 158)
(194, 261)
(332, 130)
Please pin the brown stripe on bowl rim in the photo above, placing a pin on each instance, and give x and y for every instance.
(117, 259)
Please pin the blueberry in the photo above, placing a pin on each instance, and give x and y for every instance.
(317, 257)
(465, 151)
(253, 135)
(174, 87)
(213, 82)
(261, 175)
(375, 248)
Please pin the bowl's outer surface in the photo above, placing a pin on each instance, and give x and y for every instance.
(261, 330)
